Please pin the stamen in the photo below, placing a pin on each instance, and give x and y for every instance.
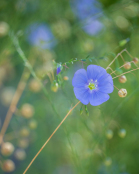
(91, 86)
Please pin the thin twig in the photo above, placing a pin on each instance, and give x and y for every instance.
(12, 108)
(50, 138)
(125, 73)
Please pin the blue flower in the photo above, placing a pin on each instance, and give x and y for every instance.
(58, 70)
(88, 12)
(40, 36)
(92, 86)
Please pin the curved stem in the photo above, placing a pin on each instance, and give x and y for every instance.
(50, 138)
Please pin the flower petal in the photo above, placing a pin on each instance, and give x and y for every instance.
(105, 84)
(82, 94)
(95, 72)
(98, 97)
(80, 78)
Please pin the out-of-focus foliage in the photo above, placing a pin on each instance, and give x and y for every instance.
(58, 38)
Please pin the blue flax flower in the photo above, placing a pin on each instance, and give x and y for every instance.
(92, 86)
(40, 35)
(58, 70)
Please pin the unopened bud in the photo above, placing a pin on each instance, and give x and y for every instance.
(127, 65)
(32, 124)
(65, 78)
(54, 87)
(122, 92)
(135, 60)
(34, 85)
(7, 148)
(8, 166)
(24, 132)
(109, 134)
(122, 79)
(122, 133)
(27, 110)
(108, 161)
(20, 154)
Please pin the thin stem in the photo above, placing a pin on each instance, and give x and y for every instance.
(116, 87)
(115, 58)
(50, 137)
(125, 73)
(12, 108)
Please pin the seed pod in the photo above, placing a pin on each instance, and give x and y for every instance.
(4, 28)
(122, 79)
(34, 85)
(27, 110)
(108, 161)
(7, 95)
(109, 134)
(122, 92)
(7, 149)
(54, 87)
(20, 154)
(8, 166)
(23, 143)
(24, 132)
(122, 133)
(32, 124)
(65, 78)
(135, 60)
(127, 65)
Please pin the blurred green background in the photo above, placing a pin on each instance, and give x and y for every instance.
(51, 33)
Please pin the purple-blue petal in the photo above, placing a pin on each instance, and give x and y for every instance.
(105, 84)
(98, 97)
(95, 72)
(58, 70)
(80, 78)
(82, 94)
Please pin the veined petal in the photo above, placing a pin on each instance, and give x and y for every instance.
(105, 84)
(98, 97)
(80, 78)
(95, 72)
(82, 94)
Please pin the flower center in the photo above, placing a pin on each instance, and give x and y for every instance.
(91, 86)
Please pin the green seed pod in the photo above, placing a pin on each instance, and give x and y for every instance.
(109, 134)
(122, 133)
(33, 124)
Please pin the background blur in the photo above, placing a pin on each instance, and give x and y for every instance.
(51, 33)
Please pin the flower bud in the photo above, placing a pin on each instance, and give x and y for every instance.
(122, 92)
(20, 154)
(34, 85)
(23, 143)
(65, 78)
(135, 60)
(4, 28)
(54, 87)
(8, 166)
(127, 65)
(24, 132)
(7, 149)
(122, 79)
(122, 133)
(7, 95)
(109, 134)
(27, 110)
(32, 124)
(108, 161)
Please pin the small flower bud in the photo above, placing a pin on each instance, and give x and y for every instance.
(108, 161)
(135, 60)
(24, 132)
(20, 154)
(8, 166)
(127, 65)
(65, 78)
(122, 79)
(23, 143)
(122, 133)
(32, 124)
(27, 110)
(7, 95)
(4, 28)
(109, 134)
(7, 149)
(54, 87)
(34, 85)
(122, 92)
